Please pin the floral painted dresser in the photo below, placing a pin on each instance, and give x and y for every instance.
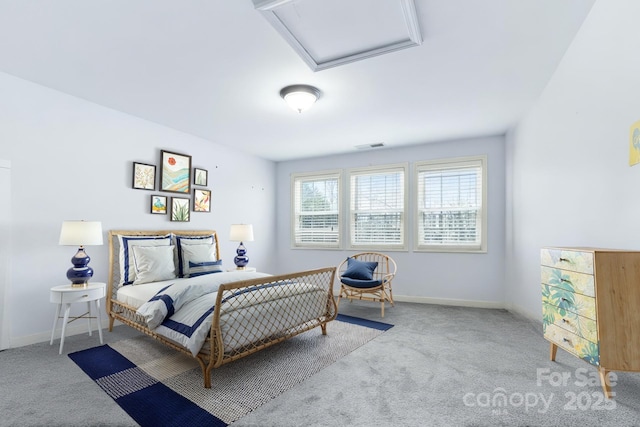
(591, 307)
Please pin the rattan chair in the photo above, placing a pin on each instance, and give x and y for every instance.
(377, 289)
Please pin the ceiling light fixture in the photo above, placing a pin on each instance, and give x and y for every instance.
(300, 97)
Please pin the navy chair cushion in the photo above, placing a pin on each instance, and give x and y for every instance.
(360, 270)
(357, 283)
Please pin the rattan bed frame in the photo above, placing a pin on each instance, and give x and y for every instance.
(213, 353)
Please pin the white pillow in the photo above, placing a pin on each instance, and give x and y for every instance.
(153, 264)
(127, 267)
(181, 241)
(197, 254)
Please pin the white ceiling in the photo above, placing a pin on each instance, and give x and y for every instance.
(214, 68)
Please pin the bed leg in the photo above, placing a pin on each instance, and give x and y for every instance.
(111, 319)
(206, 372)
(324, 328)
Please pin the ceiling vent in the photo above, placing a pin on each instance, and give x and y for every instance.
(328, 33)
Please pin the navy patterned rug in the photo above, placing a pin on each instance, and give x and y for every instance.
(158, 386)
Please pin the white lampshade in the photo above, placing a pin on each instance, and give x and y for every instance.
(241, 233)
(81, 233)
(300, 97)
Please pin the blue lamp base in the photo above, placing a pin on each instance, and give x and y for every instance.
(80, 273)
(241, 260)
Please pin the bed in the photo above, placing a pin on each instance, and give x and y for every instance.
(170, 285)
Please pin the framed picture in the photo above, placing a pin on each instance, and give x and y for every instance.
(144, 176)
(175, 173)
(179, 209)
(200, 177)
(634, 144)
(201, 200)
(158, 204)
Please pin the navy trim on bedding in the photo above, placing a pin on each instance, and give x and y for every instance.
(206, 267)
(166, 299)
(125, 247)
(168, 302)
(188, 330)
(179, 247)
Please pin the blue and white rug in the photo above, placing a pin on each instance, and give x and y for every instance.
(158, 386)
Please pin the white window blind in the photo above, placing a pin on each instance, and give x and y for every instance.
(377, 207)
(316, 210)
(451, 205)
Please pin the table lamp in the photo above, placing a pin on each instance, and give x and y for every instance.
(80, 233)
(241, 233)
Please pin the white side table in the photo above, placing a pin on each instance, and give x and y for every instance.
(246, 269)
(67, 295)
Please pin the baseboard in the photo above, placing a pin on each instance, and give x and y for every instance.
(80, 328)
(448, 301)
(516, 309)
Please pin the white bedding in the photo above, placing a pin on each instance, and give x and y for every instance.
(195, 300)
(191, 324)
(136, 295)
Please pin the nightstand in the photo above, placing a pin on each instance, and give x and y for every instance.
(67, 295)
(246, 269)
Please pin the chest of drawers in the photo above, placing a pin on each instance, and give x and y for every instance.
(591, 306)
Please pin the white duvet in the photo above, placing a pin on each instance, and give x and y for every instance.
(182, 310)
(172, 297)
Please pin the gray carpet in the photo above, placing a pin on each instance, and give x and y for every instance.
(237, 388)
(439, 366)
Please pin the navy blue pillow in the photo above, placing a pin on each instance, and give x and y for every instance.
(206, 267)
(360, 270)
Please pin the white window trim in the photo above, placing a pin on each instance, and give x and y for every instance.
(450, 164)
(328, 174)
(405, 222)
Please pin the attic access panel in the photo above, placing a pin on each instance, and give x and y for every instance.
(328, 33)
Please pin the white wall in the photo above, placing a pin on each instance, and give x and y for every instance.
(72, 159)
(569, 156)
(464, 279)
(5, 230)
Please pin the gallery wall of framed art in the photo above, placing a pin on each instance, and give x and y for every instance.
(174, 174)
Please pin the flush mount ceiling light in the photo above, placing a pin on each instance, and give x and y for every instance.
(300, 97)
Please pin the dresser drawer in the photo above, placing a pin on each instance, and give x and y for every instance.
(567, 259)
(79, 295)
(576, 303)
(574, 344)
(569, 280)
(574, 323)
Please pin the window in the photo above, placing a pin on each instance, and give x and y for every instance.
(451, 205)
(377, 201)
(316, 210)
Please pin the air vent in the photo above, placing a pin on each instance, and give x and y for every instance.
(369, 146)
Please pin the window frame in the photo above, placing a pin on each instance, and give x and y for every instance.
(372, 170)
(448, 164)
(316, 176)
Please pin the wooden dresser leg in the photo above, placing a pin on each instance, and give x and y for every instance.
(553, 349)
(604, 380)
